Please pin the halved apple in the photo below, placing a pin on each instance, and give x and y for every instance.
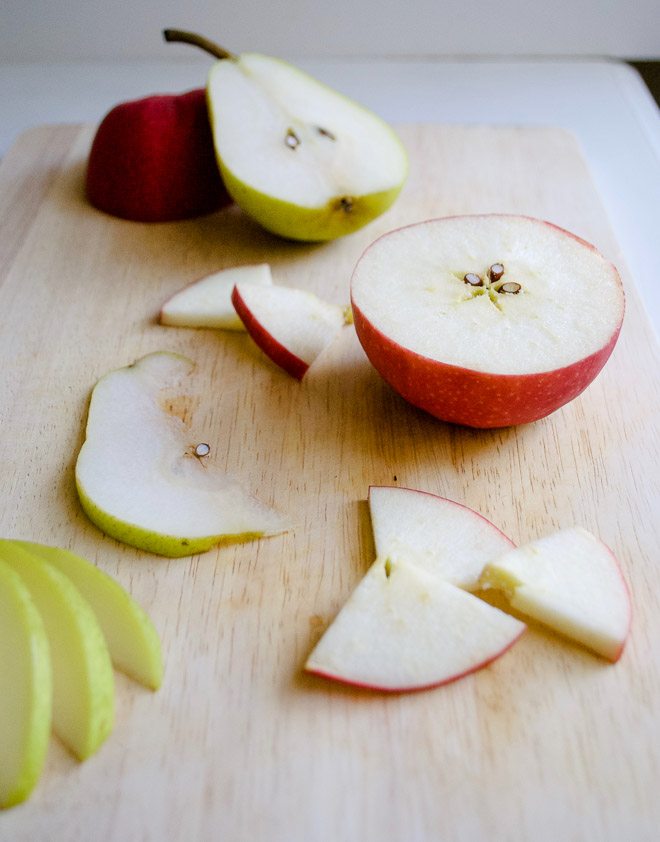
(291, 326)
(145, 479)
(443, 537)
(132, 640)
(571, 582)
(405, 629)
(207, 302)
(83, 682)
(26, 691)
(486, 320)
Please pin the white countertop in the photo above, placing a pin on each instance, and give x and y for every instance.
(604, 103)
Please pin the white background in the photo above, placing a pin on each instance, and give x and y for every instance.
(65, 30)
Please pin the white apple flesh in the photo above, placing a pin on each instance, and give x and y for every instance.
(445, 538)
(207, 302)
(487, 320)
(145, 479)
(291, 326)
(404, 629)
(571, 582)
(26, 692)
(301, 159)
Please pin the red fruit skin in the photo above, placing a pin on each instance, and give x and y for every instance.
(153, 160)
(277, 352)
(479, 399)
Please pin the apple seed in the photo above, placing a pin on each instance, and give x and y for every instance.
(473, 279)
(325, 133)
(510, 287)
(202, 449)
(496, 271)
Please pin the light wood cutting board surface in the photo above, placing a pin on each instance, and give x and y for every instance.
(547, 743)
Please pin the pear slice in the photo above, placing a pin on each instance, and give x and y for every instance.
(144, 479)
(207, 302)
(301, 159)
(405, 629)
(130, 635)
(83, 683)
(26, 691)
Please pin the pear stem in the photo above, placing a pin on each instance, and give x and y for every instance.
(180, 36)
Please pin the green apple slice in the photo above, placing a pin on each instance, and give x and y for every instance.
(130, 635)
(144, 479)
(83, 683)
(26, 692)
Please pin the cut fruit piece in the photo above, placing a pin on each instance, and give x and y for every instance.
(445, 538)
(83, 683)
(130, 635)
(489, 320)
(301, 159)
(207, 302)
(404, 629)
(144, 479)
(291, 326)
(26, 691)
(571, 582)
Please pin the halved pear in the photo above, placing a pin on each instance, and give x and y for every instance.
(83, 682)
(304, 161)
(145, 479)
(130, 635)
(26, 691)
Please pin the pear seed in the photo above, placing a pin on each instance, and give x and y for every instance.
(292, 140)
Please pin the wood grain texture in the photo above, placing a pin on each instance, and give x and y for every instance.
(547, 743)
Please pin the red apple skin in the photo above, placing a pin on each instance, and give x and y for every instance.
(153, 160)
(419, 688)
(475, 398)
(277, 352)
(619, 652)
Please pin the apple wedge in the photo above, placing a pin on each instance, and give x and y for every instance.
(301, 159)
(487, 320)
(405, 629)
(83, 683)
(145, 479)
(445, 538)
(291, 326)
(571, 582)
(26, 692)
(132, 640)
(207, 302)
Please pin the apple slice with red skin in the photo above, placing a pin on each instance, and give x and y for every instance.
(291, 326)
(487, 320)
(443, 537)
(404, 629)
(153, 160)
(571, 582)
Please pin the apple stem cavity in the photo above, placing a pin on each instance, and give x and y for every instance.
(182, 37)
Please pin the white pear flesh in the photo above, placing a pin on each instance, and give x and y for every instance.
(301, 159)
(130, 635)
(25, 690)
(404, 629)
(291, 326)
(571, 582)
(83, 681)
(139, 476)
(443, 537)
(206, 303)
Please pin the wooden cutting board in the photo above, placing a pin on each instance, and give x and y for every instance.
(548, 743)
